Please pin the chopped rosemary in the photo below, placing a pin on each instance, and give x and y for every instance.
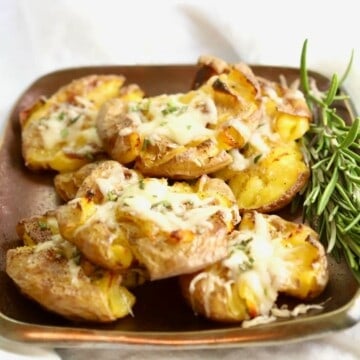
(43, 225)
(61, 116)
(146, 143)
(141, 184)
(112, 195)
(64, 133)
(74, 119)
(257, 158)
(331, 200)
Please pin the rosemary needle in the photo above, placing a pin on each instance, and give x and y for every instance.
(331, 200)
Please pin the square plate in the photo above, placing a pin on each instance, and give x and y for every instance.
(161, 317)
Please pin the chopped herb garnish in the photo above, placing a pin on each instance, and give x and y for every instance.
(76, 259)
(141, 184)
(133, 107)
(163, 204)
(112, 195)
(74, 119)
(61, 116)
(257, 158)
(188, 127)
(43, 225)
(145, 105)
(146, 144)
(89, 156)
(170, 108)
(64, 132)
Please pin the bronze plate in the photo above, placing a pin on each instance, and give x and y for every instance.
(161, 317)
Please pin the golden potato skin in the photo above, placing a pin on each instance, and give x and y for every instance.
(242, 287)
(185, 164)
(38, 229)
(59, 133)
(67, 289)
(83, 181)
(272, 182)
(167, 253)
(67, 184)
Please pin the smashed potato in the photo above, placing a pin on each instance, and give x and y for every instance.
(69, 289)
(266, 256)
(89, 220)
(169, 229)
(182, 136)
(59, 133)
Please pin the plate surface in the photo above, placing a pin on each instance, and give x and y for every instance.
(161, 317)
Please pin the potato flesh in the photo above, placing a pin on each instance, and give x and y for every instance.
(54, 139)
(272, 182)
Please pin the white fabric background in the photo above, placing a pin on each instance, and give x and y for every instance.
(39, 36)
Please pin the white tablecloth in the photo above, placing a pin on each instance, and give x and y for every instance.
(39, 36)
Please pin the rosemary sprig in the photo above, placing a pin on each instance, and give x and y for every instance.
(331, 203)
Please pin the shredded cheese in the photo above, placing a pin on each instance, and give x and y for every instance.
(71, 125)
(168, 116)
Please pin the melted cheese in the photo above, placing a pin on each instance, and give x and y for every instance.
(71, 124)
(169, 117)
(253, 262)
(167, 207)
(154, 200)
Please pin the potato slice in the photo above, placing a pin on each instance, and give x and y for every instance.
(67, 289)
(185, 135)
(59, 132)
(266, 256)
(103, 242)
(169, 229)
(304, 260)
